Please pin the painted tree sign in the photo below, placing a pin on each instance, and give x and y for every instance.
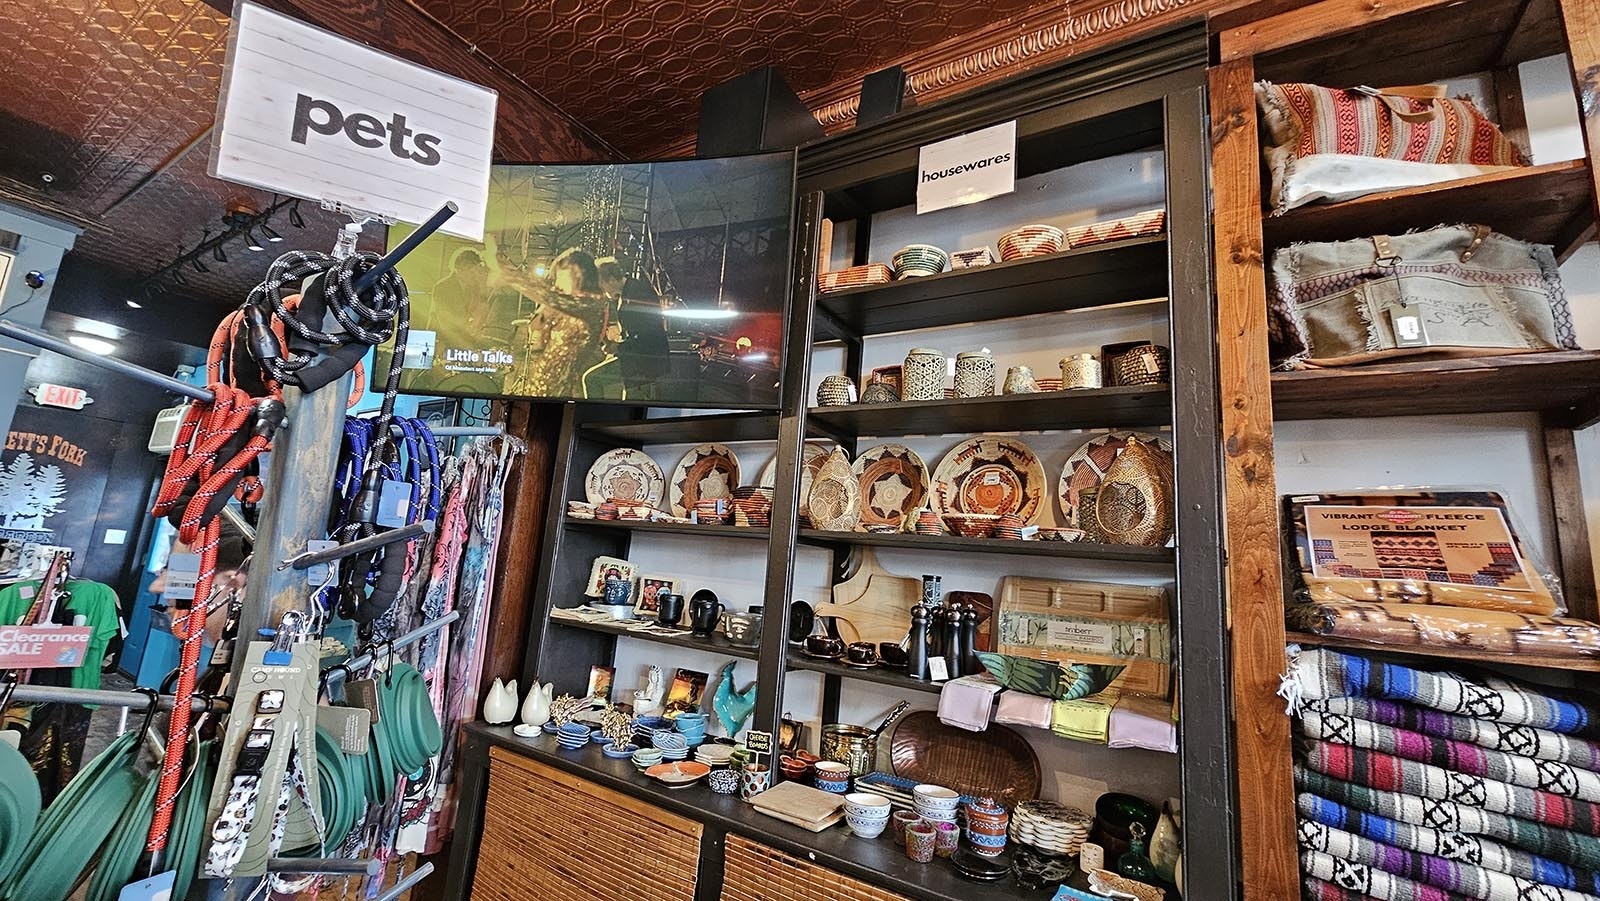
(52, 475)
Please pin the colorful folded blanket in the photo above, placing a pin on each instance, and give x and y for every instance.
(1367, 880)
(1563, 845)
(1387, 772)
(1544, 775)
(1317, 890)
(1523, 741)
(1453, 876)
(1317, 674)
(1456, 846)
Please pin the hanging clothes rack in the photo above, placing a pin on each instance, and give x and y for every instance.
(342, 670)
(360, 546)
(45, 694)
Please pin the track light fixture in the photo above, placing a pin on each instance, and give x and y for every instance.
(252, 242)
(271, 236)
(295, 219)
(218, 255)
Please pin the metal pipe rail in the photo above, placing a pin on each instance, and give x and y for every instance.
(460, 431)
(44, 694)
(326, 866)
(360, 545)
(122, 367)
(406, 884)
(342, 670)
(367, 279)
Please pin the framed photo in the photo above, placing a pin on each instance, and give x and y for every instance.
(644, 602)
(608, 568)
(600, 679)
(688, 686)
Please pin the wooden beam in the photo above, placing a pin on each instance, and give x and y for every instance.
(1576, 563)
(1270, 866)
(528, 128)
(1581, 19)
(521, 537)
(1513, 116)
(1327, 19)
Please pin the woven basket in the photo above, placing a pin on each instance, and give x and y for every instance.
(754, 872)
(549, 834)
(1147, 364)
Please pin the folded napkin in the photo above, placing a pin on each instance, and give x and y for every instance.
(1143, 723)
(966, 702)
(1081, 720)
(1022, 709)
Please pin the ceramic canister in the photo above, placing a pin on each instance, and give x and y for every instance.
(922, 376)
(1020, 380)
(1080, 371)
(836, 391)
(975, 374)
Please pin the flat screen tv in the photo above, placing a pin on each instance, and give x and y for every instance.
(653, 284)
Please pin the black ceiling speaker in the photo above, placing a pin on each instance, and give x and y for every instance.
(756, 111)
(883, 93)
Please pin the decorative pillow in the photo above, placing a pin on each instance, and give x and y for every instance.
(1336, 143)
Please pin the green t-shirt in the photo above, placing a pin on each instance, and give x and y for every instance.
(93, 601)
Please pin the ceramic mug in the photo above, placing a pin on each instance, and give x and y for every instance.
(921, 839)
(753, 780)
(947, 837)
(862, 653)
(703, 615)
(618, 592)
(669, 609)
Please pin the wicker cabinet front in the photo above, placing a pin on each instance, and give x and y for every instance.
(755, 872)
(549, 834)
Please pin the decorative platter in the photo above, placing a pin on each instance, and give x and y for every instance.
(707, 472)
(997, 763)
(835, 496)
(992, 476)
(625, 474)
(893, 482)
(678, 774)
(1089, 463)
(812, 455)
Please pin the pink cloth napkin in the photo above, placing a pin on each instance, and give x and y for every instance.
(1019, 709)
(1143, 723)
(966, 702)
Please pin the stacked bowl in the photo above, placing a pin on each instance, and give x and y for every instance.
(692, 726)
(644, 729)
(935, 803)
(752, 507)
(572, 736)
(714, 754)
(1031, 241)
(867, 813)
(832, 776)
(723, 782)
(1008, 527)
(672, 745)
(1050, 827)
(986, 826)
(645, 758)
(918, 259)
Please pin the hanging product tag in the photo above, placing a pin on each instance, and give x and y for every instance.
(394, 502)
(1408, 329)
(349, 726)
(183, 572)
(362, 693)
(319, 574)
(157, 888)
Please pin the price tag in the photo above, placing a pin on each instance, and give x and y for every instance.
(362, 693)
(1408, 329)
(991, 478)
(157, 888)
(937, 671)
(349, 726)
(318, 575)
(394, 502)
(183, 572)
(26, 592)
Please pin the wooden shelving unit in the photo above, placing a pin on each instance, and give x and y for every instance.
(1127, 407)
(1072, 550)
(716, 644)
(879, 675)
(669, 528)
(1352, 42)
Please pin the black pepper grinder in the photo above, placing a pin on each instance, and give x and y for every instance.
(917, 644)
(936, 617)
(970, 664)
(950, 630)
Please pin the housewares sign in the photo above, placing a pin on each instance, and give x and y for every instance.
(308, 113)
(969, 168)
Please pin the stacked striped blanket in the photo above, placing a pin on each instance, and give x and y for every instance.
(1434, 786)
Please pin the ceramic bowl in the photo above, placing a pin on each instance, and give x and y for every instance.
(598, 737)
(678, 775)
(936, 798)
(550, 728)
(865, 827)
(867, 804)
(794, 769)
(972, 525)
(619, 753)
(893, 656)
(723, 782)
(670, 741)
(935, 816)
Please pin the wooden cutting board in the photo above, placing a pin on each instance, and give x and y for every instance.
(801, 805)
(872, 604)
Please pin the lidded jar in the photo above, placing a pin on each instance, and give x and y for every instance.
(975, 373)
(922, 377)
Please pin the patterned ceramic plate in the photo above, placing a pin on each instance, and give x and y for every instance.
(626, 475)
(812, 454)
(990, 475)
(894, 484)
(1088, 465)
(707, 472)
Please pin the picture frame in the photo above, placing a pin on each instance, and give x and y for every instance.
(608, 567)
(644, 600)
(687, 689)
(600, 681)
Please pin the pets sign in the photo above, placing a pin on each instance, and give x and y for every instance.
(967, 168)
(308, 113)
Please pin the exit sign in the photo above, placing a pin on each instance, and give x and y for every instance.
(64, 396)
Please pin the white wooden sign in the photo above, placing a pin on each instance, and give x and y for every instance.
(308, 113)
(967, 168)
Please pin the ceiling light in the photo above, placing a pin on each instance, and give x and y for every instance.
(91, 344)
(295, 219)
(134, 304)
(705, 313)
(218, 255)
(272, 236)
(251, 242)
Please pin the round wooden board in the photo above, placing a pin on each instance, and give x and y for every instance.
(997, 763)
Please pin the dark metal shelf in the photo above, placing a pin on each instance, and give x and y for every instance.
(688, 429)
(799, 661)
(667, 528)
(878, 861)
(1095, 276)
(715, 644)
(1046, 411)
(1080, 550)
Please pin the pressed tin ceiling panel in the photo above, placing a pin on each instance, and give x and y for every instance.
(633, 70)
